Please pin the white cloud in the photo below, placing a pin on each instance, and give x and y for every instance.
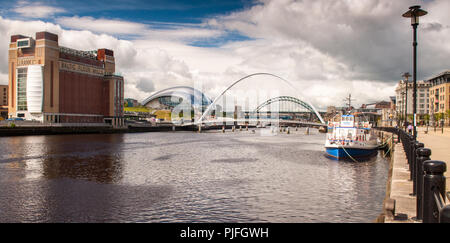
(174, 32)
(109, 26)
(36, 10)
(327, 49)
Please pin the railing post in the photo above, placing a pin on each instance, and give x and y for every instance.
(417, 146)
(444, 215)
(412, 146)
(433, 182)
(423, 155)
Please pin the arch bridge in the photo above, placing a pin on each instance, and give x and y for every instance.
(290, 109)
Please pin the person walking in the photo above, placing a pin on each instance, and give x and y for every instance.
(410, 128)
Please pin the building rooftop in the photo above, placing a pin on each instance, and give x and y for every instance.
(85, 54)
(447, 72)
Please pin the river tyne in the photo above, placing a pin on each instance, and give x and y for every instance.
(185, 177)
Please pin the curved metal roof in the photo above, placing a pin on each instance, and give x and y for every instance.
(196, 97)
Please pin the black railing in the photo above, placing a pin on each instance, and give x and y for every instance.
(428, 179)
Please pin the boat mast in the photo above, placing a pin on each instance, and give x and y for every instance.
(349, 102)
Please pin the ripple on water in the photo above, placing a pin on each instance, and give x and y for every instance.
(185, 177)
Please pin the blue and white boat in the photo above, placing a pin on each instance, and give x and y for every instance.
(347, 139)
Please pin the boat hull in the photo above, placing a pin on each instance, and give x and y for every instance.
(348, 153)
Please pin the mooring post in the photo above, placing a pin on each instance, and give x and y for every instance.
(433, 182)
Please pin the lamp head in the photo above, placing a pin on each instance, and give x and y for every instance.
(414, 13)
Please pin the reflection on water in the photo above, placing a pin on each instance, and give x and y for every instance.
(184, 177)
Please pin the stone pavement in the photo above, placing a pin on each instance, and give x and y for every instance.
(439, 143)
(401, 188)
(400, 185)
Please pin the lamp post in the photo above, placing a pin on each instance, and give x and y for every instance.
(405, 81)
(414, 13)
(402, 112)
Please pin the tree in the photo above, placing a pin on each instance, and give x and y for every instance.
(427, 118)
(447, 112)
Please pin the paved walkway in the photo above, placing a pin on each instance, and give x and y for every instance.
(401, 186)
(439, 143)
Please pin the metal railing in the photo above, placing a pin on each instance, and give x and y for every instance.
(428, 179)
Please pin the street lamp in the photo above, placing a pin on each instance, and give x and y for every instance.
(403, 109)
(414, 13)
(405, 81)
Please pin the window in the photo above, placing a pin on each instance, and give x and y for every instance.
(23, 43)
(22, 89)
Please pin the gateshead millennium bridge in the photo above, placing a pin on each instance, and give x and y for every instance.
(197, 109)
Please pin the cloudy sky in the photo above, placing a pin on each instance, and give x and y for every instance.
(326, 48)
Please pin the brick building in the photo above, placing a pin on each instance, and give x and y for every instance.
(52, 83)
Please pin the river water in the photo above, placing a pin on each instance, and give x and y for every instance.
(185, 177)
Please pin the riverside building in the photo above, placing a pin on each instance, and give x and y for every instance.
(404, 99)
(440, 93)
(3, 102)
(52, 83)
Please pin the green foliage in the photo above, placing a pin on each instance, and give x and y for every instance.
(137, 109)
(12, 125)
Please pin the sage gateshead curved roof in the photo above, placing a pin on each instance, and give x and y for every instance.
(174, 96)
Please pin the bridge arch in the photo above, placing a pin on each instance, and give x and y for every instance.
(251, 75)
(293, 100)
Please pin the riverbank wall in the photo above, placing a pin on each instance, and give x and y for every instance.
(55, 130)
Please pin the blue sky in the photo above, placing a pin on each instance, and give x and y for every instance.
(179, 11)
(156, 14)
(328, 48)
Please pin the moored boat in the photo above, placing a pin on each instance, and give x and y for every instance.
(348, 139)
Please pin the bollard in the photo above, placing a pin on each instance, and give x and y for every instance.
(423, 154)
(233, 128)
(223, 129)
(287, 131)
(307, 131)
(296, 128)
(240, 128)
(199, 128)
(173, 128)
(433, 182)
(417, 145)
(246, 128)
